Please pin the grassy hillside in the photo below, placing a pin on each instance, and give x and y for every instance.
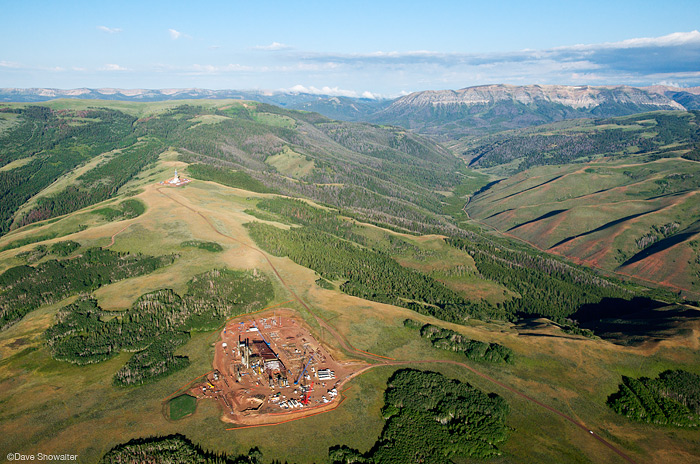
(632, 209)
(475, 294)
(46, 402)
(383, 174)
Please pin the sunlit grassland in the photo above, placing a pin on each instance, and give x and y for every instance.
(16, 164)
(64, 181)
(8, 121)
(291, 163)
(137, 109)
(277, 120)
(52, 406)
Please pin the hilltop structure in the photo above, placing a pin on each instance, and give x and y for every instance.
(176, 181)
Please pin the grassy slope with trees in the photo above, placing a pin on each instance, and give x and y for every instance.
(331, 246)
(56, 142)
(156, 325)
(673, 398)
(26, 288)
(433, 419)
(655, 135)
(446, 339)
(619, 194)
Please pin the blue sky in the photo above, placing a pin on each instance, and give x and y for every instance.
(350, 48)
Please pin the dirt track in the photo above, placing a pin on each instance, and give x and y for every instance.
(115, 235)
(385, 361)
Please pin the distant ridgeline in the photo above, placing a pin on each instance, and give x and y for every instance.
(655, 135)
(671, 399)
(155, 325)
(26, 288)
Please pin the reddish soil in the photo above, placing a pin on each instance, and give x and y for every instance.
(282, 376)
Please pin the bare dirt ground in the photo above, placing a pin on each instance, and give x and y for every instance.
(280, 378)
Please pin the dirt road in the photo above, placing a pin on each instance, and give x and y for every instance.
(383, 360)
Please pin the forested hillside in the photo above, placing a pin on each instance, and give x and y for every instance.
(433, 419)
(26, 288)
(156, 325)
(671, 399)
(47, 144)
(654, 135)
(384, 174)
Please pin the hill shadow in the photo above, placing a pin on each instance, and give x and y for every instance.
(603, 227)
(636, 321)
(665, 243)
(532, 188)
(544, 216)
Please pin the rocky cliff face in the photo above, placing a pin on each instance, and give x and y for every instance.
(450, 114)
(578, 97)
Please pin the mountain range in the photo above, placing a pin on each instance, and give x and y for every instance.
(445, 114)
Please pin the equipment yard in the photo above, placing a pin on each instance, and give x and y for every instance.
(271, 369)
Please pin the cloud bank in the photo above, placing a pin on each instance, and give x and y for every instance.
(327, 90)
(642, 61)
(113, 67)
(635, 61)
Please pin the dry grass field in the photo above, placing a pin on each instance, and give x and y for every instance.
(50, 406)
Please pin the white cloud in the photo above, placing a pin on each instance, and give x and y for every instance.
(325, 90)
(670, 40)
(109, 30)
(330, 91)
(113, 67)
(668, 84)
(204, 69)
(174, 34)
(9, 64)
(272, 47)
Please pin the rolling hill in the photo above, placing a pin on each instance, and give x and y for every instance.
(388, 175)
(114, 287)
(617, 194)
